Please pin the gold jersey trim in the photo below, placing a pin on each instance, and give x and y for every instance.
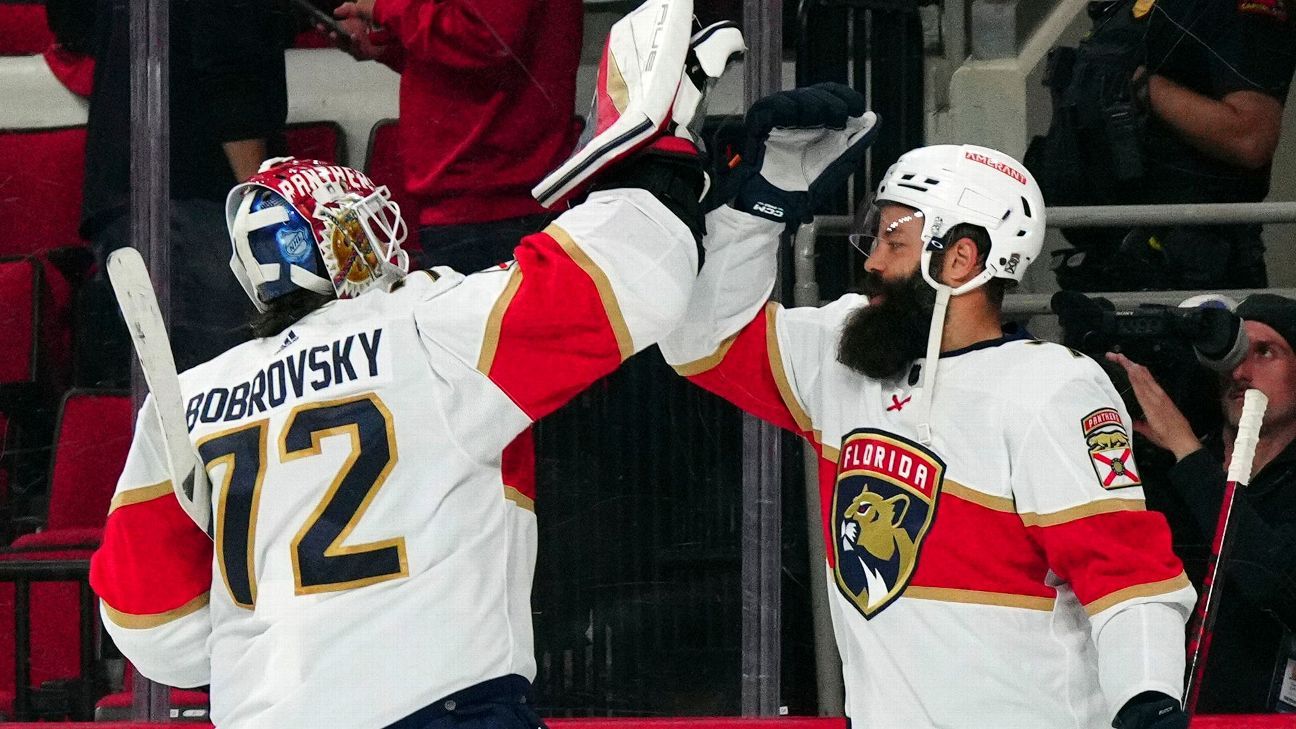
(989, 501)
(1093, 508)
(698, 366)
(625, 343)
(517, 497)
(799, 415)
(139, 495)
(979, 597)
(1149, 589)
(490, 343)
(153, 620)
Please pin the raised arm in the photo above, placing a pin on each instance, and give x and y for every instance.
(605, 280)
(801, 145)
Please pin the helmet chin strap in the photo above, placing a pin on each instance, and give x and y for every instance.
(932, 359)
(928, 390)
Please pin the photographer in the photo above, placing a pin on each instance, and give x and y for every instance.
(1258, 606)
(1167, 101)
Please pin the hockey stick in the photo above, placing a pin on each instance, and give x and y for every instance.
(139, 307)
(1239, 474)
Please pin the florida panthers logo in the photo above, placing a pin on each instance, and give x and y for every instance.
(1110, 450)
(883, 506)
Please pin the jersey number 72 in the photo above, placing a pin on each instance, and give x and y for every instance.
(320, 561)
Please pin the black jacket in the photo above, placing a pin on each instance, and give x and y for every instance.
(227, 83)
(1258, 602)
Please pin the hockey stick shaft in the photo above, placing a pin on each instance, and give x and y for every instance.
(1239, 474)
(139, 307)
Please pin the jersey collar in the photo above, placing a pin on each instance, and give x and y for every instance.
(1012, 332)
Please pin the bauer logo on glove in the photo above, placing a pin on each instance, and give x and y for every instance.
(801, 146)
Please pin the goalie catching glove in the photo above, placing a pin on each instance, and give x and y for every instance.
(652, 84)
(801, 145)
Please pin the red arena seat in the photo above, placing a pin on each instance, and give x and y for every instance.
(93, 436)
(321, 140)
(383, 165)
(20, 286)
(41, 172)
(23, 29)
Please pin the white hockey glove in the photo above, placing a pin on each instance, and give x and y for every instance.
(800, 146)
(639, 76)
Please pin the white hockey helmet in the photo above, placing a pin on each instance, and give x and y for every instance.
(305, 224)
(953, 184)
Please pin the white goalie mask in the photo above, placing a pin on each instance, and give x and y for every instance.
(305, 224)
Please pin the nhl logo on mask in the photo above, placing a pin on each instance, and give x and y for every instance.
(1110, 449)
(883, 505)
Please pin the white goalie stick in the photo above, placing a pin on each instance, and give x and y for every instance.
(138, 302)
(1254, 404)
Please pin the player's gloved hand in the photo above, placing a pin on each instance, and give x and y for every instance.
(1151, 710)
(800, 145)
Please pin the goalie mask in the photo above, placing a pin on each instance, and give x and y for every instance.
(304, 224)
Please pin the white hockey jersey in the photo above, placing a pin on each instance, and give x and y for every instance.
(1007, 575)
(369, 557)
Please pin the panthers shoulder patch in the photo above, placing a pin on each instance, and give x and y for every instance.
(1111, 452)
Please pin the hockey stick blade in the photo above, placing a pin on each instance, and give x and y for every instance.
(139, 307)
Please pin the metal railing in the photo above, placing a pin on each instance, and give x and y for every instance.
(1099, 216)
(1111, 216)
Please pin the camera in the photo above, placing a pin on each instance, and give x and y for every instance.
(1183, 347)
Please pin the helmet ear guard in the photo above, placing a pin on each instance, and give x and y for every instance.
(303, 224)
(954, 185)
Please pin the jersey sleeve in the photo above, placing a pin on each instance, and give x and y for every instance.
(1077, 489)
(607, 279)
(737, 344)
(153, 570)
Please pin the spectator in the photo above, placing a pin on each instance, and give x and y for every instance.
(228, 105)
(1258, 604)
(1171, 101)
(487, 95)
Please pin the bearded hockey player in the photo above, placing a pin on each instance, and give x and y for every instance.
(370, 566)
(989, 558)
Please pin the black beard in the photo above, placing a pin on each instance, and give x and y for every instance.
(880, 341)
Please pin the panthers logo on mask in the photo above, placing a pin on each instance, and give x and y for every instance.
(883, 506)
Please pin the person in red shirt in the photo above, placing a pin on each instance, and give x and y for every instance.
(487, 99)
